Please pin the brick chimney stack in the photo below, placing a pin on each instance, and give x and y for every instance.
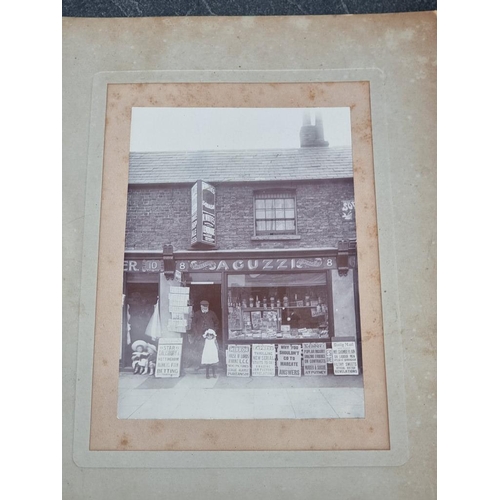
(312, 136)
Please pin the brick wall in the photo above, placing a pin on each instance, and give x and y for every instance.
(160, 215)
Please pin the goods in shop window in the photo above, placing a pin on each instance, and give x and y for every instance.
(235, 319)
(247, 321)
(316, 312)
(256, 319)
(270, 320)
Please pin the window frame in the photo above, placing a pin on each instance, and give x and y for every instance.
(274, 194)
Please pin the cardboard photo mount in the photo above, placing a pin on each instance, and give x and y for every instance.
(103, 440)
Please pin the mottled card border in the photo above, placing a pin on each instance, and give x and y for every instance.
(102, 438)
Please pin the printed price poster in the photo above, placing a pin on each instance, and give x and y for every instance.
(263, 360)
(238, 360)
(168, 359)
(314, 358)
(345, 359)
(289, 360)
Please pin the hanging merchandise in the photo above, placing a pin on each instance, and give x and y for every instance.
(129, 340)
(153, 329)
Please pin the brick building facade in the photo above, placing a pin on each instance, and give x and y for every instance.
(162, 214)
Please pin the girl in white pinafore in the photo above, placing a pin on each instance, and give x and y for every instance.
(210, 355)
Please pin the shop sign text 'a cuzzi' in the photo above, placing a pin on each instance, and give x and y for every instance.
(219, 265)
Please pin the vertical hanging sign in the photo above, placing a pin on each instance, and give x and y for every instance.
(194, 214)
(202, 214)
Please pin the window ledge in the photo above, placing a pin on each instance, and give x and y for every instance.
(275, 237)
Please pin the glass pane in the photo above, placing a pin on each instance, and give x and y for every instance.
(260, 214)
(290, 214)
(269, 203)
(270, 214)
(290, 225)
(279, 203)
(260, 204)
(280, 214)
(280, 225)
(289, 203)
(269, 225)
(261, 226)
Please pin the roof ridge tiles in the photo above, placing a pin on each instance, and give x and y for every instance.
(240, 165)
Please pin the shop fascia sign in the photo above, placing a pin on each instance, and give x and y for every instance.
(219, 265)
(202, 215)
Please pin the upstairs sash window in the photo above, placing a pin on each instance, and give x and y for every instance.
(275, 213)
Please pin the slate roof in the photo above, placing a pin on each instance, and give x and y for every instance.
(236, 166)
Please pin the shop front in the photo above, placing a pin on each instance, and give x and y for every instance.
(303, 299)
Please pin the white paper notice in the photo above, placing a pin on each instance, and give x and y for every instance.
(345, 359)
(238, 360)
(263, 360)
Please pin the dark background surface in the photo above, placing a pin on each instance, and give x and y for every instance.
(159, 8)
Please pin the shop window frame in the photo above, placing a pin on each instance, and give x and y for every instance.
(224, 320)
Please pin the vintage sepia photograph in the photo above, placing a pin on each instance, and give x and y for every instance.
(240, 277)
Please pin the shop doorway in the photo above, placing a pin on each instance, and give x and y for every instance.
(210, 292)
(140, 301)
(198, 292)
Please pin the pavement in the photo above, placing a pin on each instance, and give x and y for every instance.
(195, 397)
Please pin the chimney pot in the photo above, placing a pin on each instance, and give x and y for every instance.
(312, 135)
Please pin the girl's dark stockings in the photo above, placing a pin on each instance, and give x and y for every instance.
(213, 371)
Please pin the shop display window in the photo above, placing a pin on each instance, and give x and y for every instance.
(277, 306)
